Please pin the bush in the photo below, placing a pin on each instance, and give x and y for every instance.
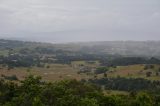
(101, 70)
(13, 77)
(33, 92)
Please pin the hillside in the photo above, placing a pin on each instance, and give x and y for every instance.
(116, 70)
(124, 48)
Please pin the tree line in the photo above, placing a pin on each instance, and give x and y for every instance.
(126, 84)
(35, 92)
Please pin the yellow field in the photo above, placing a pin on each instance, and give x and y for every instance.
(54, 73)
(60, 72)
(133, 71)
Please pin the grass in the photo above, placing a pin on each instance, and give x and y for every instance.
(124, 71)
(54, 73)
(134, 71)
(60, 72)
(4, 52)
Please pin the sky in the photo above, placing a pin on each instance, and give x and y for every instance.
(60, 21)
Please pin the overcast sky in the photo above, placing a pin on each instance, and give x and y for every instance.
(80, 20)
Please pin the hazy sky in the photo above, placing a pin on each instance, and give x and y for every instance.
(80, 20)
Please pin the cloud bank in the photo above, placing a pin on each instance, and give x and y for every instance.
(80, 20)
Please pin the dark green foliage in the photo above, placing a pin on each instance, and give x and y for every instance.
(143, 99)
(124, 61)
(47, 66)
(148, 74)
(157, 73)
(33, 92)
(13, 77)
(101, 70)
(126, 84)
(148, 67)
(105, 75)
(7, 91)
(18, 60)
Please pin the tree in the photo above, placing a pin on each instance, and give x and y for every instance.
(105, 74)
(101, 70)
(143, 99)
(148, 74)
(88, 102)
(157, 73)
(47, 66)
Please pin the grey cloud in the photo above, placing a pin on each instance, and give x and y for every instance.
(80, 20)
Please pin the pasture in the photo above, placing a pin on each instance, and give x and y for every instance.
(54, 73)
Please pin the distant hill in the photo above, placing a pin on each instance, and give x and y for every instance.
(125, 48)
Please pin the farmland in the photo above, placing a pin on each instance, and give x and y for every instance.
(39, 69)
(60, 61)
(57, 72)
(54, 73)
(55, 62)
